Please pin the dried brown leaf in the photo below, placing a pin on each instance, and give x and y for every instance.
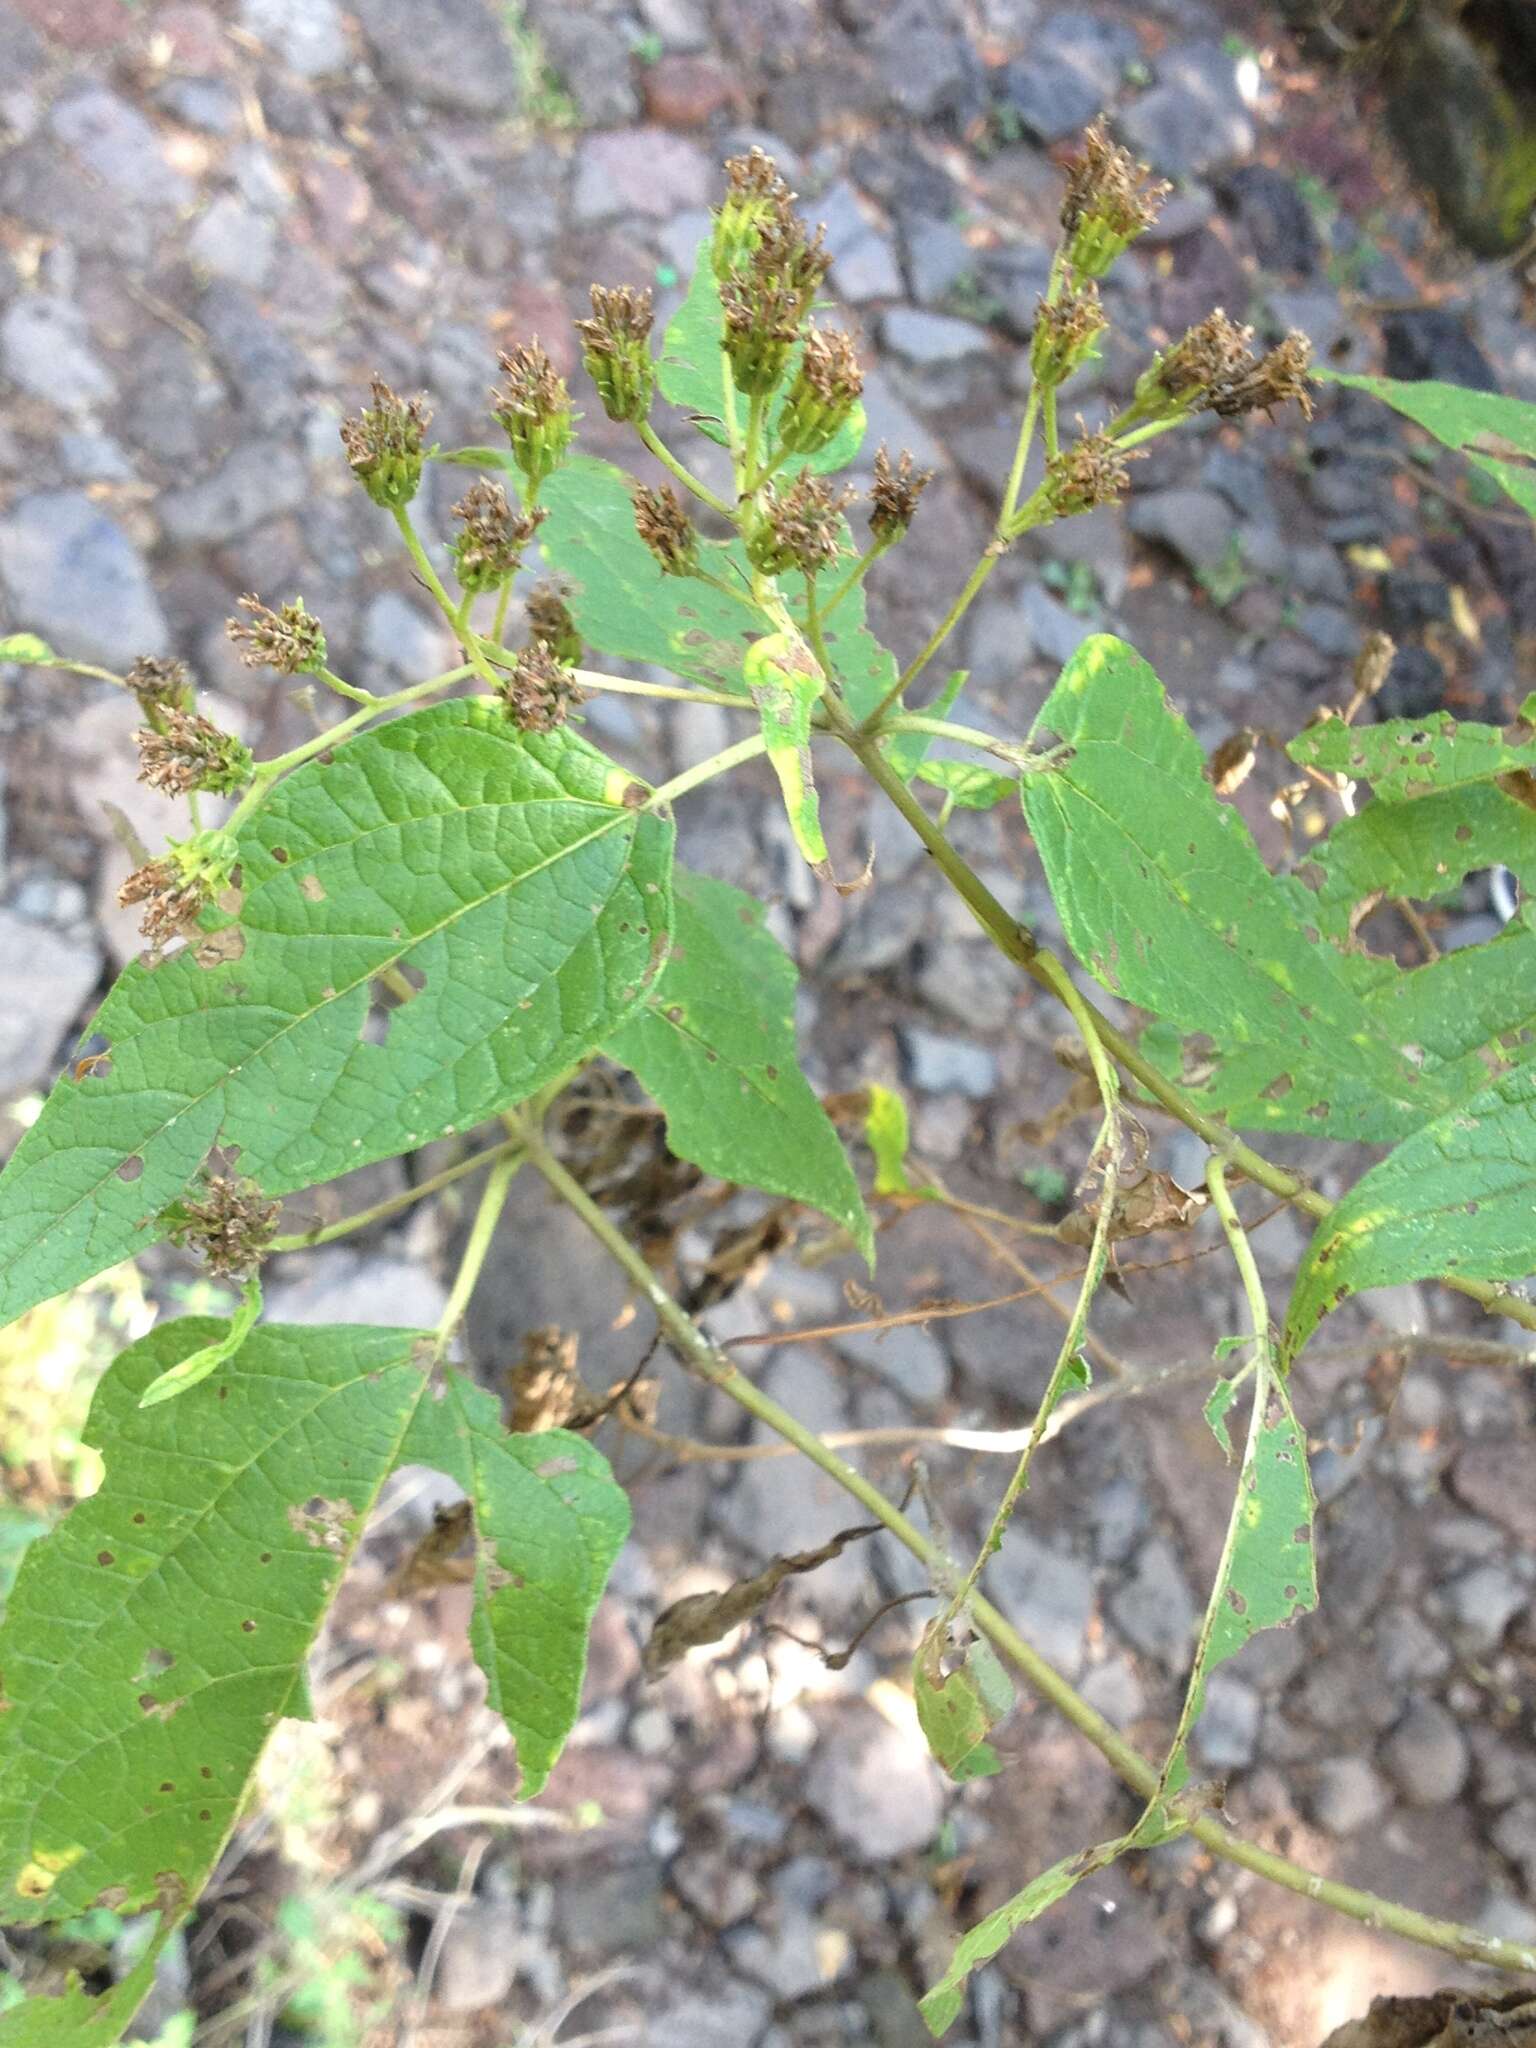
(705, 1617)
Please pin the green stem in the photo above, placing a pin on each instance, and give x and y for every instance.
(1020, 459)
(445, 603)
(324, 1233)
(1150, 432)
(268, 772)
(697, 1353)
(730, 419)
(684, 475)
(707, 770)
(477, 1247)
(625, 686)
(343, 689)
(1048, 422)
(499, 622)
(991, 557)
(855, 576)
(751, 454)
(963, 735)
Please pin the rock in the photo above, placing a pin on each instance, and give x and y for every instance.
(81, 24)
(592, 62)
(1514, 1835)
(1196, 525)
(1316, 571)
(266, 369)
(1483, 1602)
(45, 347)
(1117, 1514)
(936, 1063)
(233, 240)
(930, 340)
(864, 263)
(479, 1959)
(895, 424)
(688, 92)
(55, 978)
(1495, 1478)
(254, 483)
(445, 53)
(1227, 1733)
(75, 577)
(1426, 1755)
(618, 1911)
(876, 1785)
(1344, 1691)
(681, 24)
(1346, 1795)
(1047, 1594)
(1277, 219)
(1427, 341)
(1193, 119)
(645, 171)
(909, 1357)
(114, 140)
(338, 1285)
(1014, 280)
(1331, 630)
(207, 104)
(727, 2011)
(1113, 1690)
(1154, 1609)
(1415, 685)
(1072, 69)
(1409, 1649)
(403, 642)
(1462, 132)
(21, 48)
(925, 62)
(1055, 632)
(306, 35)
(937, 257)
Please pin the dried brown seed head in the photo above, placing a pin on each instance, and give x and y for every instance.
(1274, 378)
(665, 527)
(289, 640)
(1066, 331)
(191, 753)
(159, 681)
(551, 625)
(533, 408)
(1091, 472)
(1110, 200)
(230, 1225)
(495, 533)
(894, 495)
(800, 527)
(538, 691)
(386, 445)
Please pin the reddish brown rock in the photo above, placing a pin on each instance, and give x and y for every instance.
(686, 92)
(80, 24)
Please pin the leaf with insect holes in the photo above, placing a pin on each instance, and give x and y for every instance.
(691, 374)
(620, 597)
(1164, 898)
(1267, 1575)
(958, 1710)
(1460, 419)
(502, 870)
(1405, 758)
(153, 1640)
(714, 1043)
(549, 1521)
(1459, 1197)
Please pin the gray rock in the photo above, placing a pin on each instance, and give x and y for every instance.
(207, 104)
(936, 1063)
(234, 240)
(1483, 1602)
(1346, 1795)
(618, 1911)
(1409, 1649)
(478, 1963)
(1073, 68)
(1227, 1733)
(90, 457)
(1331, 630)
(1426, 1755)
(646, 171)
(1317, 571)
(926, 63)
(45, 347)
(895, 424)
(1429, 341)
(1495, 1478)
(1154, 1609)
(1514, 1835)
(593, 63)
(1278, 220)
(883, 926)
(1014, 280)
(53, 982)
(777, 1507)
(21, 48)
(306, 35)
(75, 577)
(1047, 1594)
(681, 24)
(1117, 1514)
(263, 365)
(1198, 526)
(1055, 632)
(876, 1785)
(124, 150)
(402, 641)
(930, 339)
(727, 2011)
(445, 53)
(864, 263)
(937, 256)
(1114, 1690)
(1193, 119)
(254, 483)
(338, 1285)
(908, 1356)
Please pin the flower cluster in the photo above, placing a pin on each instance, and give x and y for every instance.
(159, 684)
(533, 409)
(800, 527)
(386, 445)
(538, 691)
(489, 550)
(229, 1226)
(894, 495)
(1067, 330)
(616, 351)
(288, 640)
(178, 887)
(189, 752)
(1213, 369)
(551, 626)
(665, 528)
(1110, 200)
(824, 392)
(767, 293)
(1091, 472)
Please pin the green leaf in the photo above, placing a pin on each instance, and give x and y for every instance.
(548, 1523)
(887, 1136)
(75, 2019)
(1459, 419)
(968, 786)
(905, 750)
(501, 459)
(691, 375)
(503, 868)
(1404, 758)
(958, 1710)
(1164, 898)
(1219, 1404)
(156, 1636)
(618, 594)
(201, 1365)
(786, 686)
(714, 1043)
(1458, 1197)
(27, 650)
(940, 2007)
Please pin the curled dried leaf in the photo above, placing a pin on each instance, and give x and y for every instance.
(701, 1618)
(1155, 1202)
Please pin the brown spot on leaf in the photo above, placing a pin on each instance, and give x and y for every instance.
(131, 1167)
(312, 887)
(324, 1524)
(219, 946)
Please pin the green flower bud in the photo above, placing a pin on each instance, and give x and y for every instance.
(824, 392)
(385, 445)
(616, 352)
(490, 549)
(533, 408)
(1066, 333)
(1110, 200)
(755, 196)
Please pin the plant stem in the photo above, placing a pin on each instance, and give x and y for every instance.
(707, 770)
(268, 772)
(991, 556)
(477, 1247)
(684, 475)
(351, 691)
(1020, 459)
(324, 1233)
(445, 603)
(944, 729)
(1048, 423)
(855, 576)
(499, 622)
(695, 1351)
(624, 686)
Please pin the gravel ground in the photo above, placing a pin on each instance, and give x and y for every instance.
(215, 222)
